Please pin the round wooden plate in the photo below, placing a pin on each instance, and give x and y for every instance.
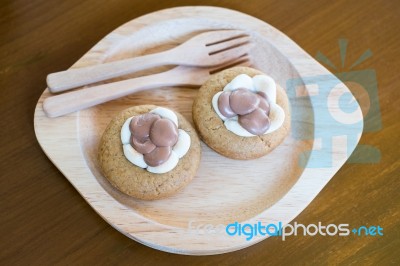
(272, 189)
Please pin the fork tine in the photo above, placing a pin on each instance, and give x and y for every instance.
(234, 52)
(215, 37)
(243, 60)
(222, 46)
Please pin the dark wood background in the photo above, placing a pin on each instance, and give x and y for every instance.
(45, 221)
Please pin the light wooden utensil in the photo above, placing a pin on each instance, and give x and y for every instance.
(69, 102)
(204, 50)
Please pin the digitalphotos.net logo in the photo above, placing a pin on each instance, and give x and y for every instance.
(259, 229)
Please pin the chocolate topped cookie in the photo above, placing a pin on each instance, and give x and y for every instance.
(149, 152)
(241, 113)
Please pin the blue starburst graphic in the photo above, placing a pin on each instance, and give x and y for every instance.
(363, 85)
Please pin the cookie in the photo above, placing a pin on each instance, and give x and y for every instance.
(150, 178)
(242, 117)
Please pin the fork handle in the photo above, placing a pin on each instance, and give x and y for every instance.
(72, 78)
(69, 102)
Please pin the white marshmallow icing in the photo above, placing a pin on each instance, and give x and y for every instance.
(178, 151)
(259, 83)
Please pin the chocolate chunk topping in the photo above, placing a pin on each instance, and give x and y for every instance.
(223, 105)
(243, 101)
(257, 122)
(251, 108)
(153, 137)
(158, 156)
(164, 133)
(143, 145)
(140, 125)
(264, 105)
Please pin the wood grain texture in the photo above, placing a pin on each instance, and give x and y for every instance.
(45, 220)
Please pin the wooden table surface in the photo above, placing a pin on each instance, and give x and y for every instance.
(45, 221)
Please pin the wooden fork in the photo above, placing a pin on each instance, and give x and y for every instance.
(69, 102)
(204, 50)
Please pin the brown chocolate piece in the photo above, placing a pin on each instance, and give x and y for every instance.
(153, 137)
(224, 106)
(140, 125)
(158, 156)
(252, 109)
(243, 101)
(164, 133)
(263, 104)
(257, 122)
(143, 146)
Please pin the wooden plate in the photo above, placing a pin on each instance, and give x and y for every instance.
(272, 189)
